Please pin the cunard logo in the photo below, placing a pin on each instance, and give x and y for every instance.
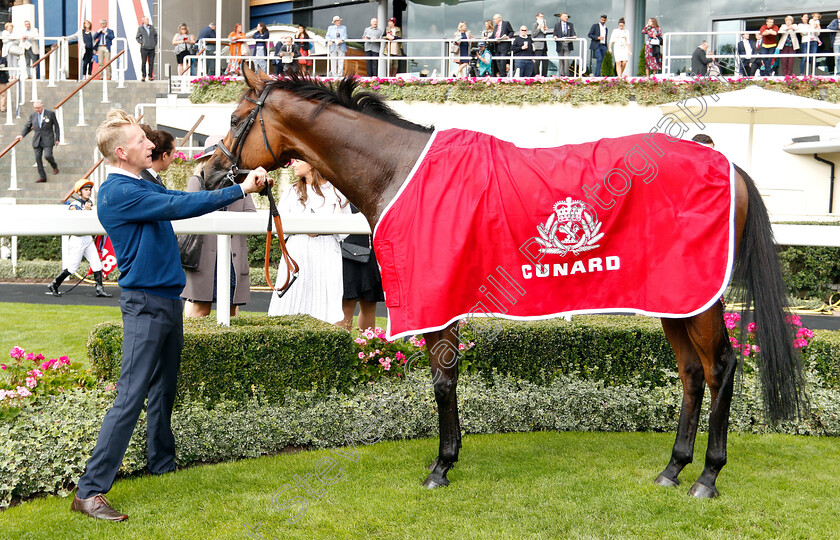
(573, 227)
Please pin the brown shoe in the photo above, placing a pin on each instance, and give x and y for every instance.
(97, 507)
(40, 180)
(55, 170)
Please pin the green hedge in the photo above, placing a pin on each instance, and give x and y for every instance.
(809, 270)
(256, 354)
(31, 248)
(613, 349)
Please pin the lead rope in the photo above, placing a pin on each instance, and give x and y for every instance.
(291, 266)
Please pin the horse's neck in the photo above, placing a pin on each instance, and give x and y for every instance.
(365, 159)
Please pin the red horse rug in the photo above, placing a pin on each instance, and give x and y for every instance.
(641, 224)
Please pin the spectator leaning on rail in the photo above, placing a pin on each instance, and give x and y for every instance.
(700, 60)
(136, 215)
(29, 44)
(835, 43)
(523, 46)
(207, 36)
(337, 44)
(80, 246)
(769, 37)
(372, 36)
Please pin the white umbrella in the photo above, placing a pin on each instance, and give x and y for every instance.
(755, 105)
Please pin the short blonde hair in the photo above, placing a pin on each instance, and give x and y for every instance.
(111, 133)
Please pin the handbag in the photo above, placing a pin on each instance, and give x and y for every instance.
(355, 252)
(454, 48)
(189, 246)
(654, 41)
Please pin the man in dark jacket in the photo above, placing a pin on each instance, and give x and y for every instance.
(207, 34)
(564, 33)
(598, 44)
(47, 134)
(699, 61)
(502, 35)
(136, 215)
(147, 38)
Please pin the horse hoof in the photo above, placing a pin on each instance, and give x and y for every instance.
(434, 481)
(431, 466)
(703, 492)
(664, 481)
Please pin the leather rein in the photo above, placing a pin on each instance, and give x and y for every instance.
(233, 155)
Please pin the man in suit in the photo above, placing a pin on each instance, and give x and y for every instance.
(598, 44)
(102, 40)
(147, 38)
(538, 32)
(699, 61)
(502, 35)
(29, 42)
(563, 32)
(47, 135)
(136, 215)
(337, 42)
(746, 54)
(207, 37)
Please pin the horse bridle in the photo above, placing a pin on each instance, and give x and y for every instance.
(240, 132)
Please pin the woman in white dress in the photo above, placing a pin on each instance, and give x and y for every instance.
(320, 286)
(620, 48)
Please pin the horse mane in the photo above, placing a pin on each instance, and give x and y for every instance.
(346, 94)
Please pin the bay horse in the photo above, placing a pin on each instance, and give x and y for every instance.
(366, 150)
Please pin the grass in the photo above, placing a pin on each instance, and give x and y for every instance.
(51, 330)
(532, 485)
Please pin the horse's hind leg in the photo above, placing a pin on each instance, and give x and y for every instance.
(691, 374)
(443, 357)
(708, 333)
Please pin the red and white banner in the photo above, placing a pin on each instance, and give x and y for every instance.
(641, 224)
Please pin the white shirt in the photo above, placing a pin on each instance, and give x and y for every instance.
(603, 29)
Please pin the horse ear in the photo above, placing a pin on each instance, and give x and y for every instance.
(252, 78)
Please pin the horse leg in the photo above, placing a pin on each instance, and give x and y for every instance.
(691, 373)
(443, 357)
(708, 333)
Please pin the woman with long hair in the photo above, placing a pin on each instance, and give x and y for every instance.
(619, 47)
(461, 48)
(653, 44)
(319, 288)
(304, 49)
(394, 47)
(236, 38)
(260, 37)
(86, 38)
(182, 41)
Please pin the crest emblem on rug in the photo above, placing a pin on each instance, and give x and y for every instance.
(573, 227)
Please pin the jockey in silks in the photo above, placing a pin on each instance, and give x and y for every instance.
(79, 246)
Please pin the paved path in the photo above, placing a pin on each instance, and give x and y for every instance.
(84, 295)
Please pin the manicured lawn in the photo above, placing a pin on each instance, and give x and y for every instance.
(53, 331)
(533, 485)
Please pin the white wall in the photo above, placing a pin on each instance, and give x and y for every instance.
(791, 184)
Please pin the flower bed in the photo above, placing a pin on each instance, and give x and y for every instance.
(539, 90)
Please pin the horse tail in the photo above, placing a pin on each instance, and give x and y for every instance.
(759, 284)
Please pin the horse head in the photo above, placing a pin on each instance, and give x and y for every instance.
(255, 139)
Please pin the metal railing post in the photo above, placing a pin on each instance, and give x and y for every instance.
(223, 279)
(13, 173)
(14, 255)
(81, 109)
(59, 114)
(19, 98)
(105, 90)
(52, 68)
(34, 88)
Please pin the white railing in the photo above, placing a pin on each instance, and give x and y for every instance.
(55, 220)
(668, 56)
(39, 220)
(440, 65)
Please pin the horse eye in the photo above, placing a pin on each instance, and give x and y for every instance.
(233, 121)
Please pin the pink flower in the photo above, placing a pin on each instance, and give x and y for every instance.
(400, 357)
(31, 382)
(730, 324)
(35, 373)
(361, 355)
(794, 320)
(734, 342)
(751, 328)
(64, 361)
(800, 343)
(804, 333)
(111, 386)
(756, 349)
(16, 352)
(30, 356)
(386, 363)
(378, 330)
(746, 349)
(23, 392)
(461, 347)
(360, 341)
(39, 357)
(3, 367)
(369, 334)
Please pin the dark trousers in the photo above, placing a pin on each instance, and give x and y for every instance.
(372, 65)
(787, 61)
(598, 53)
(87, 63)
(44, 152)
(541, 65)
(767, 63)
(153, 336)
(563, 63)
(525, 67)
(501, 64)
(210, 50)
(147, 57)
